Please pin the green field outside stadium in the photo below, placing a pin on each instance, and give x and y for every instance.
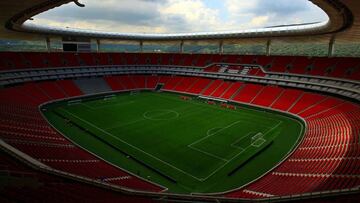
(185, 146)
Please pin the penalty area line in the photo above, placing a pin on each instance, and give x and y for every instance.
(207, 153)
(238, 140)
(156, 158)
(212, 134)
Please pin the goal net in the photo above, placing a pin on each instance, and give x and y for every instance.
(135, 92)
(74, 102)
(257, 140)
(108, 97)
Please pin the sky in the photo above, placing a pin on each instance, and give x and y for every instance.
(180, 16)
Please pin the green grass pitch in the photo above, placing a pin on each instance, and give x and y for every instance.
(185, 146)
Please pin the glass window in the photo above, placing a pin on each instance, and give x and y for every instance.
(23, 45)
(119, 46)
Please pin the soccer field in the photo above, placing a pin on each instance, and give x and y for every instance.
(186, 146)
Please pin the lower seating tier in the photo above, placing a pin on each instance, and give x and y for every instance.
(326, 159)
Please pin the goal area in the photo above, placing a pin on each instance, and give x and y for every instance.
(257, 140)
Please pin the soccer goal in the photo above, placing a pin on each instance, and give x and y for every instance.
(134, 93)
(257, 140)
(74, 102)
(109, 97)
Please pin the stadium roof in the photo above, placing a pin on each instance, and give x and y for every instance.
(344, 24)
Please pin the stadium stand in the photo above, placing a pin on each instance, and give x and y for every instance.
(51, 188)
(347, 68)
(127, 82)
(185, 84)
(267, 96)
(212, 88)
(276, 68)
(327, 159)
(151, 82)
(114, 83)
(139, 81)
(92, 86)
(23, 127)
(69, 88)
(221, 89)
(199, 86)
(248, 93)
(287, 99)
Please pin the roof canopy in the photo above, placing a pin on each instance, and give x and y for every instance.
(343, 24)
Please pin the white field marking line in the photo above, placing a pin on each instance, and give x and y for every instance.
(101, 157)
(277, 125)
(73, 104)
(238, 140)
(134, 147)
(222, 166)
(231, 111)
(258, 145)
(302, 131)
(235, 111)
(281, 161)
(87, 106)
(206, 105)
(209, 135)
(208, 132)
(133, 122)
(142, 119)
(116, 104)
(117, 126)
(207, 153)
(107, 105)
(221, 129)
(280, 122)
(199, 179)
(138, 120)
(125, 124)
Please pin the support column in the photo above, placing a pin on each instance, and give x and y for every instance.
(141, 46)
(181, 48)
(331, 49)
(98, 45)
(268, 47)
(221, 47)
(48, 47)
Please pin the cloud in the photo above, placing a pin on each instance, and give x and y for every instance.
(280, 6)
(109, 10)
(259, 20)
(277, 12)
(174, 16)
(193, 15)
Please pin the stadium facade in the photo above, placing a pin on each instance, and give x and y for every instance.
(310, 72)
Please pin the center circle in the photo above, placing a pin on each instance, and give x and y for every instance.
(160, 114)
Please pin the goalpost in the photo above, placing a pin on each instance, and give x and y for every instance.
(257, 140)
(134, 92)
(74, 102)
(108, 97)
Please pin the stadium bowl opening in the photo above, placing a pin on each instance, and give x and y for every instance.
(173, 114)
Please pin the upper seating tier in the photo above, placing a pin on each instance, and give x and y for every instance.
(347, 68)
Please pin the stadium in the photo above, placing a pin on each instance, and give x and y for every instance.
(265, 114)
